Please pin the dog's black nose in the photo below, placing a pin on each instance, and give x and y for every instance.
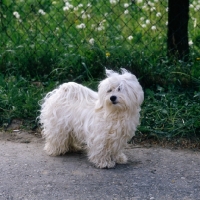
(113, 98)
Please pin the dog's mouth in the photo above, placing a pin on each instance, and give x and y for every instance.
(115, 102)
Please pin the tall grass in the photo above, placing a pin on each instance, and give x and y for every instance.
(171, 113)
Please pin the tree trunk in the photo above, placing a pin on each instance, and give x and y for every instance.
(177, 36)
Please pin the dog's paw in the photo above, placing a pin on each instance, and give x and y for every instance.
(121, 158)
(106, 165)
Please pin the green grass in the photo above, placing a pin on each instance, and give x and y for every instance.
(19, 99)
(45, 46)
(171, 113)
(166, 113)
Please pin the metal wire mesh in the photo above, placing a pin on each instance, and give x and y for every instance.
(44, 35)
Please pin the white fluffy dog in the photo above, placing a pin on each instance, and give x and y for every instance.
(73, 115)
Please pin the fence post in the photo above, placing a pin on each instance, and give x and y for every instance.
(177, 35)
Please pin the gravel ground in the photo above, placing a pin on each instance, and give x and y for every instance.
(26, 172)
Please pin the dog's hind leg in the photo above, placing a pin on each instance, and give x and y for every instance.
(74, 145)
(57, 144)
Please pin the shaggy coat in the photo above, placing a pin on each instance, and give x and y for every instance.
(73, 115)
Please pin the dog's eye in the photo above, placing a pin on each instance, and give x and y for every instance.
(119, 89)
(109, 91)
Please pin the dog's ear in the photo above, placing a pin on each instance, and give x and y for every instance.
(128, 75)
(139, 96)
(109, 72)
(123, 71)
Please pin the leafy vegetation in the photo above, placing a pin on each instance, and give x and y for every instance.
(171, 113)
(45, 43)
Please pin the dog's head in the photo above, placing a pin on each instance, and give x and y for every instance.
(119, 92)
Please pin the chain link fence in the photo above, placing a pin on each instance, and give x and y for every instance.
(71, 38)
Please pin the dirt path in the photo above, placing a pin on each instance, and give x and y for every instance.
(26, 172)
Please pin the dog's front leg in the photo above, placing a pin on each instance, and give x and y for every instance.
(101, 158)
(121, 158)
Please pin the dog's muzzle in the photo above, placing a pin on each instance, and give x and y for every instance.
(113, 99)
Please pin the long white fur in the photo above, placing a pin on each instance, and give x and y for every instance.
(73, 115)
